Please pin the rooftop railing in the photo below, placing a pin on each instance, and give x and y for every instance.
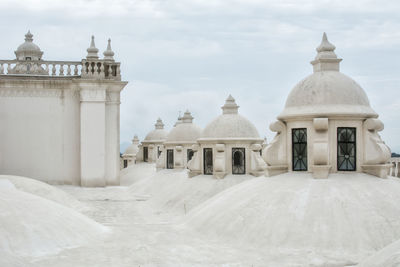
(86, 69)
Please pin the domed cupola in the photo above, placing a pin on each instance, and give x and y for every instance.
(230, 125)
(327, 125)
(133, 149)
(28, 50)
(327, 92)
(158, 134)
(185, 130)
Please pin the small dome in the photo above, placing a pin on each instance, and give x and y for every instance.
(158, 134)
(133, 149)
(28, 50)
(230, 125)
(327, 92)
(185, 131)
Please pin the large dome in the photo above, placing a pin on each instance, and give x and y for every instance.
(230, 125)
(158, 134)
(327, 92)
(185, 131)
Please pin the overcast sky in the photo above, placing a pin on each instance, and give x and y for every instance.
(191, 54)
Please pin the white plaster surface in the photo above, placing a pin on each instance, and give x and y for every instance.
(44, 190)
(168, 219)
(33, 226)
(386, 257)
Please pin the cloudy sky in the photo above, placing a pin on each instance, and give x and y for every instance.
(191, 54)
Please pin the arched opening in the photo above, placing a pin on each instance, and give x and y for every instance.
(238, 161)
(170, 158)
(208, 161)
(125, 163)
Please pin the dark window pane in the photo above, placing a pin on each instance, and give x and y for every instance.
(299, 149)
(346, 149)
(238, 161)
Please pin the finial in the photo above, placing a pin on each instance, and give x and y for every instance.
(326, 59)
(92, 50)
(135, 140)
(28, 36)
(109, 54)
(325, 45)
(187, 117)
(159, 124)
(230, 106)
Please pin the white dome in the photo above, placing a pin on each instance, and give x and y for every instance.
(327, 92)
(230, 125)
(158, 134)
(185, 131)
(28, 49)
(133, 149)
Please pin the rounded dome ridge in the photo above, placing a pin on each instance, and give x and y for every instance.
(230, 125)
(327, 92)
(158, 134)
(185, 131)
(133, 149)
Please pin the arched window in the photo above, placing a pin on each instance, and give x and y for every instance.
(238, 161)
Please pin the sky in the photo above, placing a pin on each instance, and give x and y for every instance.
(180, 55)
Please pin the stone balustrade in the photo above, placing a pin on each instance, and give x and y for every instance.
(97, 69)
(394, 169)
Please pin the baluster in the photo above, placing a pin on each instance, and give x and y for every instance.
(76, 70)
(68, 69)
(110, 74)
(53, 70)
(9, 69)
(102, 70)
(97, 69)
(396, 170)
(1, 69)
(61, 70)
(47, 68)
(118, 71)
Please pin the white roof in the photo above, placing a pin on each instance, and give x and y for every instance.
(185, 131)
(230, 125)
(327, 92)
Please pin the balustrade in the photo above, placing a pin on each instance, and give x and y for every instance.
(99, 69)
